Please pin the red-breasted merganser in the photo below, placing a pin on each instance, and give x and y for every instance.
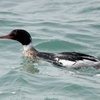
(65, 59)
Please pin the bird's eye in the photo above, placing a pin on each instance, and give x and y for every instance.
(15, 32)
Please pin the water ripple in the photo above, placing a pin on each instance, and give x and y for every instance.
(55, 26)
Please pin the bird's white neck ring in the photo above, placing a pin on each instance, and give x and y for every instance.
(27, 47)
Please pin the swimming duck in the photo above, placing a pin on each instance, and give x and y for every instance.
(64, 59)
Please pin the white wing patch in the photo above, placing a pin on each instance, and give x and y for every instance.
(77, 64)
(64, 62)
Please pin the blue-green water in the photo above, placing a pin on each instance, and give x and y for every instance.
(55, 26)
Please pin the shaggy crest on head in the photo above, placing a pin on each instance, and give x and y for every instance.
(64, 59)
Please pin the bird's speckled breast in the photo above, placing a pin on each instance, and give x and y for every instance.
(31, 54)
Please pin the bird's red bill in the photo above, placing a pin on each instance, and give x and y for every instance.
(6, 37)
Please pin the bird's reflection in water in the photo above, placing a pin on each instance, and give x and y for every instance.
(29, 66)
